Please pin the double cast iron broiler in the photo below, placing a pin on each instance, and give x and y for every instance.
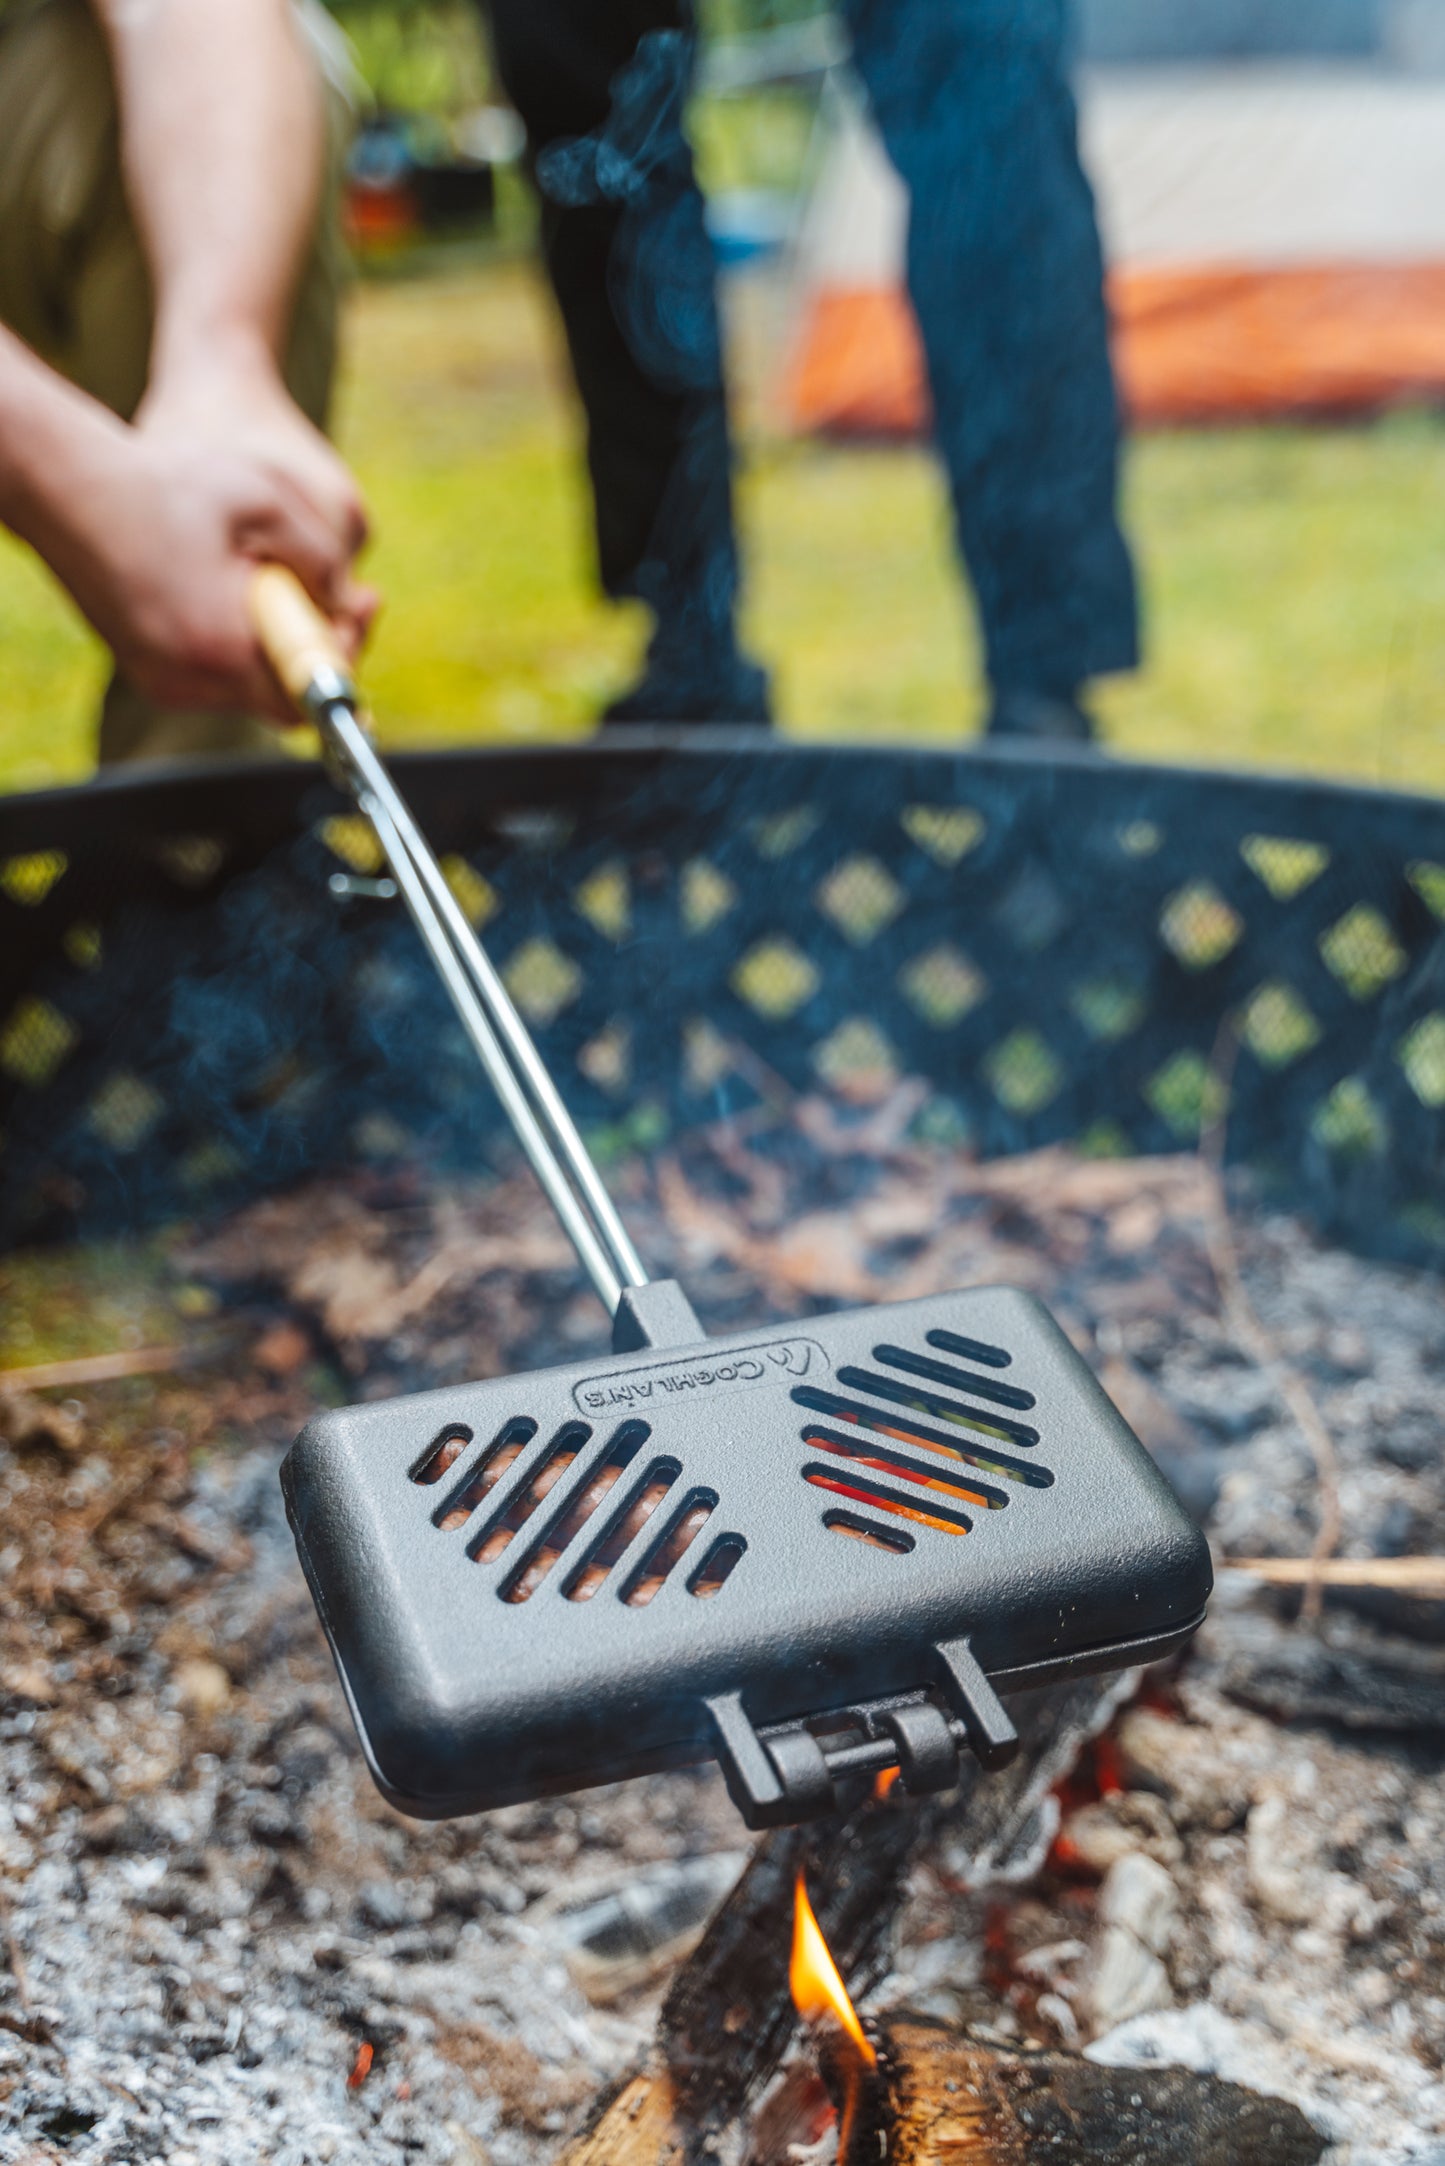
(816, 1551)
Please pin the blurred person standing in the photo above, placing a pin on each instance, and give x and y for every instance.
(1005, 272)
(170, 268)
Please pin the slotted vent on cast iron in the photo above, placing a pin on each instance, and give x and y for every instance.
(925, 1453)
(575, 1482)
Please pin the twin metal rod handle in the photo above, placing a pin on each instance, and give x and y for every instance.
(302, 649)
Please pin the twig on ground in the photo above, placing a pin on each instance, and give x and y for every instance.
(102, 1368)
(1243, 1320)
(1423, 1576)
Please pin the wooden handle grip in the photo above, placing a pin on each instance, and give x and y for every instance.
(299, 642)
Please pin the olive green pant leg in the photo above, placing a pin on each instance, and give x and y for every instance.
(75, 286)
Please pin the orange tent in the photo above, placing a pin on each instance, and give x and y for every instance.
(1277, 237)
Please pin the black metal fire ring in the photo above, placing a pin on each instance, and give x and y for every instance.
(189, 1014)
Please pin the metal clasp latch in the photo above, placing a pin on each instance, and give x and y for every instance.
(788, 1773)
(350, 886)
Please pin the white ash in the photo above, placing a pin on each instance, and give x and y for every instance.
(1278, 1919)
(213, 1918)
(1138, 1912)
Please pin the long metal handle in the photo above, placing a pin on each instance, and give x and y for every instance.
(303, 652)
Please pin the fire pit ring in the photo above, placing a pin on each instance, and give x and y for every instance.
(203, 996)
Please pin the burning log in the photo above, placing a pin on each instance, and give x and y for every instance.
(908, 2091)
(923, 2093)
(731, 2013)
(728, 2018)
(934, 2095)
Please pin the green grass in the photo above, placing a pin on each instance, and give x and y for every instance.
(51, 673)
(60, 1303)
(1295, 585)
(425, 57)
(1294, 578)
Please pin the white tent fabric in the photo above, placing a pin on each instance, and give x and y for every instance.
(1276, 235)
(1266, 165)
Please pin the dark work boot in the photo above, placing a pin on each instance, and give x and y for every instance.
(661, 698)
(695, 673)
(1042, 717)
(740, 695)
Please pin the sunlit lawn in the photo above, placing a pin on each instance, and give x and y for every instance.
(1295, 577)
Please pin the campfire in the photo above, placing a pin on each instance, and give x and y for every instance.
(818, 1992)
(1195, 1908)
(847, 2055)
(1197, 1918)
(909, 2089)
(924, 2092)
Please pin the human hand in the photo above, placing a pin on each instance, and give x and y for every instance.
(163, 526)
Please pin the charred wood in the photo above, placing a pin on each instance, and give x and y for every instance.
(728, 2019)
(942, 2097)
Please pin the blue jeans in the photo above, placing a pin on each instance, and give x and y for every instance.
(1004, 269)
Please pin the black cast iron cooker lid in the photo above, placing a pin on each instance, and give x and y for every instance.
(886, 1509)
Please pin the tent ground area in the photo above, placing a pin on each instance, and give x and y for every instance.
(1294, 576)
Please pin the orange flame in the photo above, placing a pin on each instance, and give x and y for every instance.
(813, 1976)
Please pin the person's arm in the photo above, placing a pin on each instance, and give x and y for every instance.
(154, 526)
(155, 543)
(222, 142)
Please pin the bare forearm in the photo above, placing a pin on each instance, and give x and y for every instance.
(155, 525)
(52, 438)
(222, 137)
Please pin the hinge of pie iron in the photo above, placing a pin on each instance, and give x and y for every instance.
(783, 1774)
(654, 1318)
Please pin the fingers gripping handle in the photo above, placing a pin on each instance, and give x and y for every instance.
(297, 640)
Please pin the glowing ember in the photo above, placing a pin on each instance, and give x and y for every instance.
(813, 1976)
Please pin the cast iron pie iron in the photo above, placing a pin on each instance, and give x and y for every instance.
(814, 1550)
